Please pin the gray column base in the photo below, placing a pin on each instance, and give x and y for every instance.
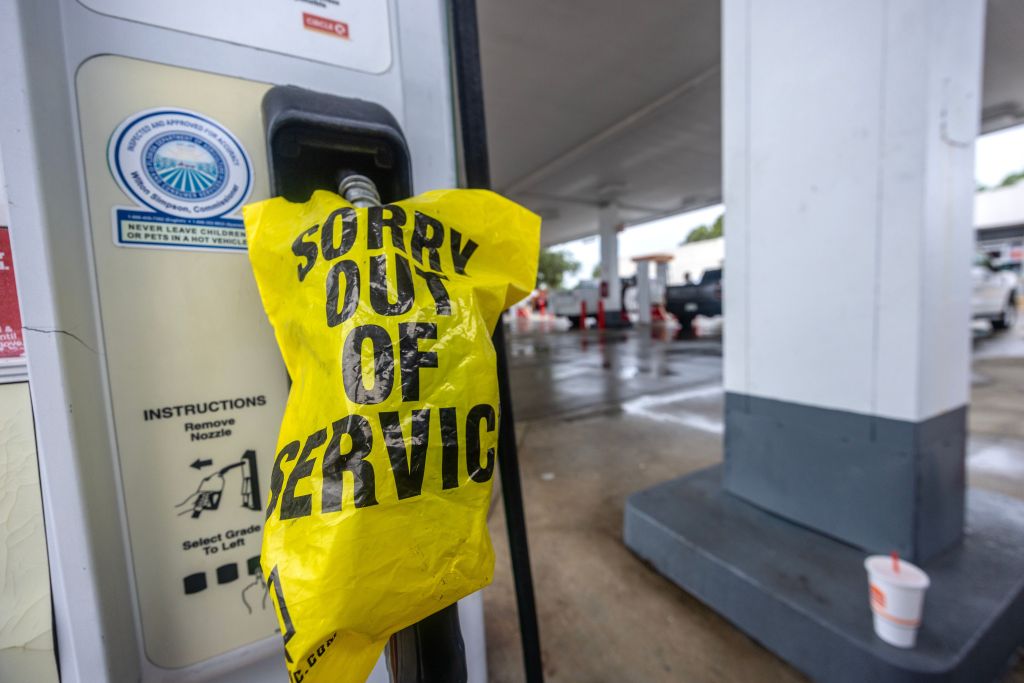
(877, 483)
(804, 595)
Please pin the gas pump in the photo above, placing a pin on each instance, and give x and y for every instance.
(132, 135)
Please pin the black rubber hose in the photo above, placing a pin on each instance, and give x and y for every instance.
(515, 520)
(477, 175)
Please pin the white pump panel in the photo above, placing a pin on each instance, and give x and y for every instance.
(131, 136)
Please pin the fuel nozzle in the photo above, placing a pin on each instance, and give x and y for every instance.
(359, 190)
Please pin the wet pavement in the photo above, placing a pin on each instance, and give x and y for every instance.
(580, 373)
(601, 416)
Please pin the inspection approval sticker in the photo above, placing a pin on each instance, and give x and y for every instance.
(188, 174)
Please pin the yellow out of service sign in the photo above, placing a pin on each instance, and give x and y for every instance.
(378, 498)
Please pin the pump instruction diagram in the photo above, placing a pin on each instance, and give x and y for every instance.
(209, 492)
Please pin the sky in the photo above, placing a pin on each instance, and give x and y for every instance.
(996, 156)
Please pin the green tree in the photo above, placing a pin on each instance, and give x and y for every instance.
(596, 273)
(707, 232)
(553, 267)
(1012, 179)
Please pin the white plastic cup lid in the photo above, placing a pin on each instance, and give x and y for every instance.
(909, 575)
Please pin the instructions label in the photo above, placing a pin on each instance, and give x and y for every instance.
(196, 383)
(222, 479)
(188, 171)
(145, 229)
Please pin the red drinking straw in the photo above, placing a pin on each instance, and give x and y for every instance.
(895, 562)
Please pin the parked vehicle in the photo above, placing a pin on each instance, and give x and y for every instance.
(568, 303)
(703, 298)
(994, 293)
(1012, 266)
(1015, 267)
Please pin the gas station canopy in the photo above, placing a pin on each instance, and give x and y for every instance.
(588, 103)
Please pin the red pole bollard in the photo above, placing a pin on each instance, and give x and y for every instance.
(600, 314)
(583, 314)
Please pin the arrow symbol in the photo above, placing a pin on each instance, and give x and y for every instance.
(200, 464)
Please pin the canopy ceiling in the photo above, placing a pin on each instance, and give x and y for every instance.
(592, 101)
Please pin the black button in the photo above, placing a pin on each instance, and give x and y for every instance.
(226, 573)
(195, 583)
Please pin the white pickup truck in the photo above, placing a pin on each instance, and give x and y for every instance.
(994, 293)
(568, 303)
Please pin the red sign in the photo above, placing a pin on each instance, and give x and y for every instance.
(11, 343)
(338, 29)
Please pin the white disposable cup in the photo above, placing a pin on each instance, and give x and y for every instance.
(897, 599)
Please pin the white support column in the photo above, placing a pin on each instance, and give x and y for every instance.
(608, 226)
(643, 291)
(849, 131)
(849, 128)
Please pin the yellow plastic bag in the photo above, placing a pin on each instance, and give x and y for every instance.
(376, 516)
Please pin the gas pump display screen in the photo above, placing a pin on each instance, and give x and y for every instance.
(196, 383)
(350, 33)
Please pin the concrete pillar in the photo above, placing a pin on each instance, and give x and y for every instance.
(609, 225)
(643, 291)
(661, 276)
(849, 130)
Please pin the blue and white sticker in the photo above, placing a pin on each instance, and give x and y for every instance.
(187, 172)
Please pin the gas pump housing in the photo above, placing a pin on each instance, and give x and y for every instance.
(131, 135)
